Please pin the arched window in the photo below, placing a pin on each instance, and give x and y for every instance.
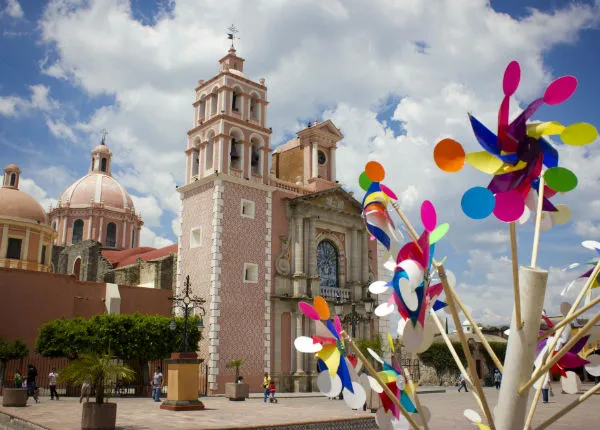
(77, 231)
(13, 179)
(210, 153)
(254, 108)
(103, 168)
(235, 155)
(111, 235)
(195, 162)
(213, 102)
(77, 268)
(255, 158)
(234, 101)
(133, 238)
(327, 264)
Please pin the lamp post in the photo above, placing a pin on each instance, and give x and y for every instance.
(187, 303)
(353, 318)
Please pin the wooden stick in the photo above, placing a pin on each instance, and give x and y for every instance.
(374, 374)
(554, 359)
(515, 270)
(465, 345)
(578, 300)
(478, 332)
(531, 412)
(459, 364)
(569, 407)
(567, 320)
(538, 222)
(416, 397)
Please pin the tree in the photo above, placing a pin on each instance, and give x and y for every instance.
(236, 365)
(64, 338)
(101, 370)
(11, 351)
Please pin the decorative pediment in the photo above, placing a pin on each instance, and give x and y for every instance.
(324, 128)
(334, 198)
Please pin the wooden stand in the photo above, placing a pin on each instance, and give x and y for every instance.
(183, 382)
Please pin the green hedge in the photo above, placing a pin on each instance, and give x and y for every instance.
(439, 357)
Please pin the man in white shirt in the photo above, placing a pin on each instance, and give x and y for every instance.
(52, 378)
(157, 382)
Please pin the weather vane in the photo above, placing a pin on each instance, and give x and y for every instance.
(103, 132)
(232, 35)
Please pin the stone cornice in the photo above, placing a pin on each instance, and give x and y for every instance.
(24, 223)
(226, 178)
(225, 117)
(231, 75)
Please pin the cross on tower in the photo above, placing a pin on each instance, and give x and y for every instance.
(232, 35)
(104, 132)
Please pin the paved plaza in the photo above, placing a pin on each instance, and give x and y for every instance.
(142, 414)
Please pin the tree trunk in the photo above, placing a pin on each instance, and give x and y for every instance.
(2, 372)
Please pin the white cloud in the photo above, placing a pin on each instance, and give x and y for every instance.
(60, 130)
(29, 186)
(149, 238)
(40, 100)
(13, 9)
(148, 208)
(356, 56)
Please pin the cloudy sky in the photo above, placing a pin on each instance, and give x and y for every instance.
(395, 75)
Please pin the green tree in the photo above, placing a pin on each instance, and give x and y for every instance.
(11, 351)
(101, 370)
(64, 338)
(235, 364)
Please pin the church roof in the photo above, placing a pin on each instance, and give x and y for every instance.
(19, 205)
(130, 256)
(97, 187)
(333, 190)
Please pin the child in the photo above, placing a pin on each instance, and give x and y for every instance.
(18, 379)
(36, 394)
(272, 391)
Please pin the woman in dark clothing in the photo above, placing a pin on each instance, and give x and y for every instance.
(31, 375)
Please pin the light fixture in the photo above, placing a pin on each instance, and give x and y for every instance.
(369, 302)
(201, 324)
(172, 324)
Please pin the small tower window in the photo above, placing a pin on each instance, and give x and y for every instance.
(321, 157)
(103, 165)
(234, 101)
(111, 235)
(13, 251)
(235, 156)
(13, 179)
(133, 239)
(255, 160)
(43, 256)
(250, 273)
(77, 231)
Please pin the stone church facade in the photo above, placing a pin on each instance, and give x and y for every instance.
(255, 241)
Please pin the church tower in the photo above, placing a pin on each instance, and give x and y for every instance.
(225, 242)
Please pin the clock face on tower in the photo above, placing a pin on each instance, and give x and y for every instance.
(321, 157)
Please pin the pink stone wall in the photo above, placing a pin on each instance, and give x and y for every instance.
(242, 305)
(197, 211)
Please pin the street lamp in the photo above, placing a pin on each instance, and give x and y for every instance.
(353, 318)
(187, 303)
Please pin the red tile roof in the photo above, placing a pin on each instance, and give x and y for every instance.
(130, 256)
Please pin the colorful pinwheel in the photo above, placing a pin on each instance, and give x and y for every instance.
(388, 416)
(515, 156)
(413, 293)
(594, 246)
(336, 370)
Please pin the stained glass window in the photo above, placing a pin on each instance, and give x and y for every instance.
(327, 264)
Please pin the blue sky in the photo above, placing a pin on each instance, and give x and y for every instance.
(71, 68)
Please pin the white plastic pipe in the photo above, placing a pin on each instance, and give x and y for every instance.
(520, 352)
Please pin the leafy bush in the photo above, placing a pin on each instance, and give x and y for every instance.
(11, 351)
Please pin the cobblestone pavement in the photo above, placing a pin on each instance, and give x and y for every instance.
(291, 413)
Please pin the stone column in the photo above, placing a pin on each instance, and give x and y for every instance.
(124, 234)
(64, 232)
(312, 257)
(298, 245)
(100, 230)
(39, 253)
(354, 256)
(299, 332)
(4, 243)
(89, 235)
(365, 257)
(332, 164)
(315, 161)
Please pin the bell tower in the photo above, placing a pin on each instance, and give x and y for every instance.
(226, 213)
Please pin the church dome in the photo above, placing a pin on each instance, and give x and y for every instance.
(17, 204)
(95, 188)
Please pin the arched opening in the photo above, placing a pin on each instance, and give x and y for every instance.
(202, 108)
(77, 268)
(111, 235)
(327, 264)
(13, 179)
(213, 102)
(255, 157)
(195, 162)
(103, 165)
(236, 100)
(236, 152)
(210, 152)
(54, 226)
(133, 238)
(254, 108)
(77, 235)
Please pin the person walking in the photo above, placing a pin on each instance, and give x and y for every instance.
(157, 382)
(52, 378)
(31, 375)
(463, 383)
(266, 384)
(497, 378)
(545, 388)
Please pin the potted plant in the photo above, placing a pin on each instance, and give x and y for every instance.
(237, 390)
(101, 371)
(16, 350)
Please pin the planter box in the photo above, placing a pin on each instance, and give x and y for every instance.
(15, 397)
(99, 416)
(237, 392)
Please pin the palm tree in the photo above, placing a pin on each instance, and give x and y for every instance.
(99, 370)
(235, 364)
